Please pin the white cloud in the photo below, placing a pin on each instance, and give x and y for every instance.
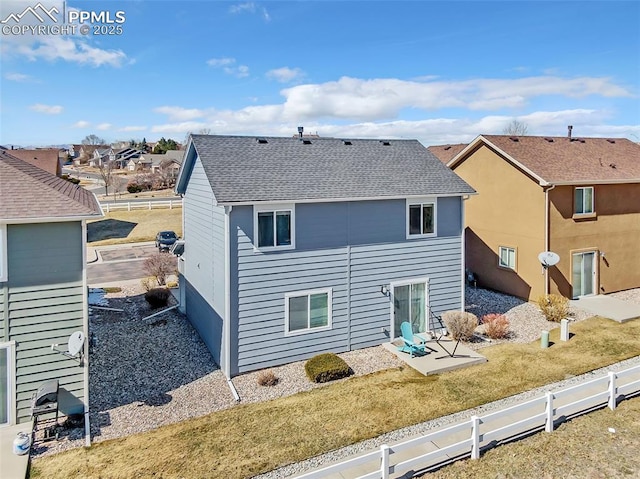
(81, 124)
(179, 128)
(19, 77)
(285, 74)
(47, 109)
(228, 65)
(133, 128)
(104, 126)
(250, 7)
(178, 113)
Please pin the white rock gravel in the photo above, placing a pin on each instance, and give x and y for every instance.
(153, 372)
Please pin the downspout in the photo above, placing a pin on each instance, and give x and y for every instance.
(227, 302)
(85, 326)
(463, 256)
(547, 241)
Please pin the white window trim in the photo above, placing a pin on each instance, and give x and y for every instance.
(515, 257)
(407, 282)
(593, 200)
(3, 253)
(274, 207)
(11, 396)
(422, 201)
(297, 294)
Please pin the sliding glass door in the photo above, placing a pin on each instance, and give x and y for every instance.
(5, 385)
(584, 273)
(410, 304)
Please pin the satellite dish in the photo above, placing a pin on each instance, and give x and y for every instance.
(76, 341)
(548, 258)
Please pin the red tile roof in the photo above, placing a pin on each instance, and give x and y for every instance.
(446, 152)
(45, 158)
(563, 160)
(27, 191)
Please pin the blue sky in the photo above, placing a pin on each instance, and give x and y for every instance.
(441, 72)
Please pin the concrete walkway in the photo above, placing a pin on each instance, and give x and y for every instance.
(608, 307)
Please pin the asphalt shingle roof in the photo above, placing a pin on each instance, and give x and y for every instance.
(27, 191)
(561, 160)
(445, 153)
(242, 169)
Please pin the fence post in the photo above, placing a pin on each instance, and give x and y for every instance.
(170, 204)
(475, 437)
(128, 205)
(107, 205)
(549, 410)
(384, 461)
(149, 204)
(612, 390)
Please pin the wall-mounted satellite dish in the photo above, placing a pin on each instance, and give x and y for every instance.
(76, 341)
(74, 347)
(548, 258)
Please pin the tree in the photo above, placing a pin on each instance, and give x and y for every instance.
(165, 145)
(93, 140)
(159, 266)
(516, 128)
(143, 146)
(106, 174)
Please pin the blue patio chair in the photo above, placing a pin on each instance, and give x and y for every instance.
(409, 341)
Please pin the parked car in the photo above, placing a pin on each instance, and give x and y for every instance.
(165, 239)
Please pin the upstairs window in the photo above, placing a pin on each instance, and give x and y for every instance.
(421, 218)
(274, 227)
(583, 201)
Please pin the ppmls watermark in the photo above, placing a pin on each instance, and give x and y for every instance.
(39, 20)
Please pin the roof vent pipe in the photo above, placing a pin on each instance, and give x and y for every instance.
(300, 130)
(570, 127)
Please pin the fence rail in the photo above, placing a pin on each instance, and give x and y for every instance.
(506, 424)
(108, 206)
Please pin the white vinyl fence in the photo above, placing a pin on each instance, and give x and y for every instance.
(147, 205)
(468, 438)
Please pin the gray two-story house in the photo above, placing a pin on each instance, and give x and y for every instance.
(297, 246)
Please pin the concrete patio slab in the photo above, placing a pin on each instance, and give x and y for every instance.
(13, 466)
(608, 307)
(438, 359)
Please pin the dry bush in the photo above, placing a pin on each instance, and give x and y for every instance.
(460, 324)
(496, 326)
(157, 297)
(148, 283)
(160, 266)
(554, 307)
(267, 378)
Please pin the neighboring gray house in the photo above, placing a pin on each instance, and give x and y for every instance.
(43, 288)
(297, 246)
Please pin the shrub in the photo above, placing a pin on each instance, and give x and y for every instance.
(460, 324)
(327, 367)
(75, 181)
(113, 289)
(148, 283)
(134, 188)
(554, 307)
(159, 266)
(267, 378)
(157, 297)
(496, 326)
(172, 284)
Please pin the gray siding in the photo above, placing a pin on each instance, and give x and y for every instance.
(351, 247)
(204, 267)
(3, 314)
(204, 319)
(45, 305)
(204, 239)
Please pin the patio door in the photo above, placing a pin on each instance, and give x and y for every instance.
(584, 273)
(409, 302)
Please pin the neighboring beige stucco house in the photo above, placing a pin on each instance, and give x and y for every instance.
(577, 197)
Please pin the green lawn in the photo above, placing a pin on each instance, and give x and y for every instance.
(250, 439)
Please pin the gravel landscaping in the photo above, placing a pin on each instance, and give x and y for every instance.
(145, 373)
